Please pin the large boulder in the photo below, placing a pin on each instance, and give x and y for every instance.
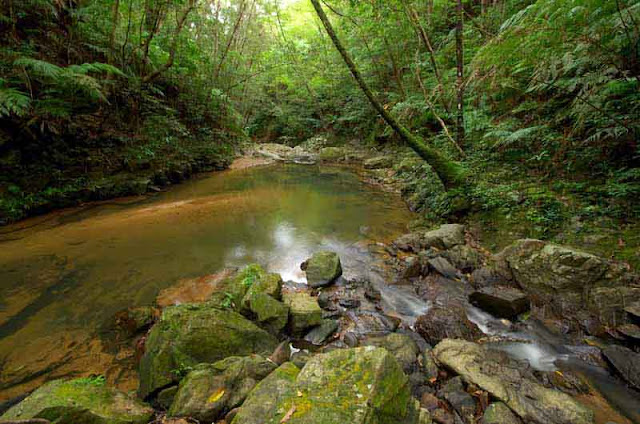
(85, 400)
(187, 335)
(567, 279)
(445, 237)
(503, 302)
(322, 268)
(266, 311)
(401, 346)
(626, 362)
(441, 323)
(304, 311)
(279, 152)
(359, 386)
(510, 382)
(211, 390)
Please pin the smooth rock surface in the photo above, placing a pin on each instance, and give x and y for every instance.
(626, 362)
(441, 323)
(510, 382)
(500, 301)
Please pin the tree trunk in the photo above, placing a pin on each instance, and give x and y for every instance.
(174, 43)
(232, 37)
(460, 73)
(115, 18)
(452, 173)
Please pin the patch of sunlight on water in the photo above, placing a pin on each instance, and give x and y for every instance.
(74, 275)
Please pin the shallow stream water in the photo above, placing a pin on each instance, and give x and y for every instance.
(63, 276)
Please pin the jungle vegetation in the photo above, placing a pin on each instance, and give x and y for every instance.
(524, 107)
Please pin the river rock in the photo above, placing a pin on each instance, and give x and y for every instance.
(278, 152)
(634, 311)
(266, 311)
(445, 237)
(401, 346)
(322, 268)
(503, 302)
(462, 402)
(451, 322)
(378, 162)
(626, 362)
(332, 154)
(304, 311)
(187, 335)
(443, 267)
(211, 390)
(510, 382)
(464, 257)
(80, 401)
(499, 413)
(321, 333)
(358, 386)
(136, 320)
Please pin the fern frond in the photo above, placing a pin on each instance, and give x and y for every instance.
(13, 102)
(39, 68)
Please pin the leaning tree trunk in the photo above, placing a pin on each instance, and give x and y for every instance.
(452, 173)
(460, 71)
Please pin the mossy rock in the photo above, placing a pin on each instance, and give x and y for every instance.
(304, 311)
(211, 390)
(332, 154)
(263, 405)
(250, 279)
(190, 334)
(267, 312)
(401, 346)
(322, 269)
(86, 401)
(359, 386)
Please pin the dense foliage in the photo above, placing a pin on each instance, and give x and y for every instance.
(541, 96)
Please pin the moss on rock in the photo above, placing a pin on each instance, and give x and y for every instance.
(85, 400)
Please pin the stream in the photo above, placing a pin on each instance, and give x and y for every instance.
(63, 276)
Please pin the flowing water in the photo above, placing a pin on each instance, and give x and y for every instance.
(61, 279)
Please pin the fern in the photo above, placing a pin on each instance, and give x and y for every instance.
(13, 102)
(40, 68)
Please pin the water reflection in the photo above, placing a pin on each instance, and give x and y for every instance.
(68, 276)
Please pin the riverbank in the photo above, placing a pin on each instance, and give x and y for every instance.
(406, 338)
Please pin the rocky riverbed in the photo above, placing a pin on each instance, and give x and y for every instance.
(410, 340)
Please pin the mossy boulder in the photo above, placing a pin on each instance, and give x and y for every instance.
(251, 279)
(85, 400)
(265, 402)
(211, 390)
(304, 311)
(332, 154)
(499, 413)
(359, 386)
(190, 334)
(267, 312)
(322, 269)
(401, 346)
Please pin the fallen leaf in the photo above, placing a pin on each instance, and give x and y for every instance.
(288, 415)
(216, 396)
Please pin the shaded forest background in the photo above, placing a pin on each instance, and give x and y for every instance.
(539, 99)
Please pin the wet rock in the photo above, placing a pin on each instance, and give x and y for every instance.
(80, 401)
(411, 268)
(429, 402)
(326, 301)
(350, 339)
(634, 311)
(630, 331)
(332, 154)
(499, 413)
(300, 358)
(378, 162)
(412, 242)
(510, 382)
(462, 402)
(322, 268)
(349, 303)
(372, 293)
(429, 366)
(211, 390)
(442, 416)
(321, 333)
(464, 257)
(451, 322)
(281, 354)
(486, 277)
(359, 386)
(304, 311)
(503, 302)
(266, 311)
(401, 346)
(193, 290)
(626, 362)
(187, 335)
(608, 303)
(136, 320)
(443, 267)
(166, 396)
(445, 237)
(278, 152)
